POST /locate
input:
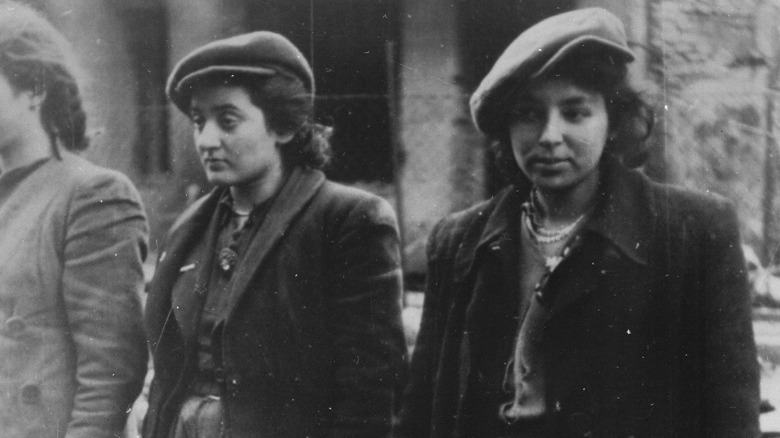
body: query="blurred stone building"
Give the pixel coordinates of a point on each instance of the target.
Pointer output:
(717, 64)
(394, 77)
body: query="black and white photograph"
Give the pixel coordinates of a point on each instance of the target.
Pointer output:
(389, 218)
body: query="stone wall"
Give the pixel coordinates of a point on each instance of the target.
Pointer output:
(715, 63)
(442, 170)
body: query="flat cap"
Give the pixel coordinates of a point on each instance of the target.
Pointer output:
(260, 53)
(541, 47)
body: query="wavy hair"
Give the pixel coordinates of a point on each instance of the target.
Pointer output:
(631, 118)
(288, 109)
(34, 56)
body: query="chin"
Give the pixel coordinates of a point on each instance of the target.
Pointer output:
(219, 180)
(553, 185)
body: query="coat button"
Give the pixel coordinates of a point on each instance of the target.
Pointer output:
(580, 424)
(31, 394)
(14, 325)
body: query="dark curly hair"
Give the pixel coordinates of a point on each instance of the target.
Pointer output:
(631, 118)
(34, 56)
(288, 109)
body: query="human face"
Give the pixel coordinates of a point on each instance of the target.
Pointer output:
(17, 119)
(558, 131)
(233, 141)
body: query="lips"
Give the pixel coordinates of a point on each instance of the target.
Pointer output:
(548, 161)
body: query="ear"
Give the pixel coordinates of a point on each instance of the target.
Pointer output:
(282, 139)
(33, 99)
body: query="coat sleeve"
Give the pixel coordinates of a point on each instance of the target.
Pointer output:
(417, 404)
(731, 386)
(365, 319)
(105, 244)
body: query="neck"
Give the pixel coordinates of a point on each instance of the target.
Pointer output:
(246, 196)
(24, 151)
(561, 207)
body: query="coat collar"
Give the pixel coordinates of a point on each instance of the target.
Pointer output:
(625, 212)
(181, 239)
(296, 193)
(623, 215)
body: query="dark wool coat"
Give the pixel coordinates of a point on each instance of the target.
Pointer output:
(312, 344)
(649, 334)
(72, 350)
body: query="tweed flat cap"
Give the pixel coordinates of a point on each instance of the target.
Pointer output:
(541, 47)
(261, 53)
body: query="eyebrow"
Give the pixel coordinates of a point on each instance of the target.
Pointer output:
(526, 100)
(576, 100)
(224, 106)
(221, 107)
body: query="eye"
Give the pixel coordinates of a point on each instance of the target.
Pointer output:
(197, 121)
(227, 121)
(576, 114)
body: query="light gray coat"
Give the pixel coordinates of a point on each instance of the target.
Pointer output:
(72, 352)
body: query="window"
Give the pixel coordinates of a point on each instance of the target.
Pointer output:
(346, 41)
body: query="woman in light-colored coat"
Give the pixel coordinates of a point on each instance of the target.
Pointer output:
(72, 240)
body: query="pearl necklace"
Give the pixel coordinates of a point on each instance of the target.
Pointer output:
(544, 235)
(538, 232)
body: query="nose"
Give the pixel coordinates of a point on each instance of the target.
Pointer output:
(207, 138)
(551, 132)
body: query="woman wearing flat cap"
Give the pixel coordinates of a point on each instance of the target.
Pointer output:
(583, 300)
(275, 306)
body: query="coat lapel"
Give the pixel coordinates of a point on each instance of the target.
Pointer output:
(299, 189)
(184, 236)
(622, 226)
(479, 260)
(498, 236)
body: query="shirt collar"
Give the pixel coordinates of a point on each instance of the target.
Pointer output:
(225, 201)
